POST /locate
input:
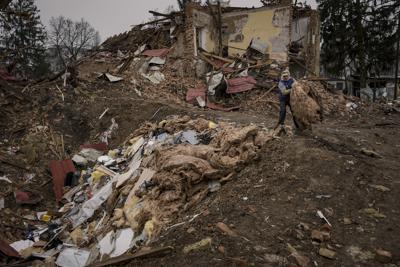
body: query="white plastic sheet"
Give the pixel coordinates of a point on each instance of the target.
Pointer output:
(73, 257)
(21, 245)
(89, 207)
(213, 80)
(123, 242)
(107, 244)
(156, 78)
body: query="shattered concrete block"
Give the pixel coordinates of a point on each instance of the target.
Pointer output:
(79, 160)
(347, 221)
(370, 153)
(301, 260)
(225, 228)
(156, 78)
(383, 256)
(327, 253)
(90, 154)
(359, 255)
(275, 260)
(374, 213)
(380, 188)
(320, 236)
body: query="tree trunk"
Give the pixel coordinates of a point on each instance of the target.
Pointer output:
(361, 46)
(396, 79)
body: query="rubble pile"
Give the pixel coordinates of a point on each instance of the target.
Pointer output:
(329, 103)
(130, 40)
(124, 198)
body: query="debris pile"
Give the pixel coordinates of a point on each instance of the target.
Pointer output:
(126, 197)
(187, 56)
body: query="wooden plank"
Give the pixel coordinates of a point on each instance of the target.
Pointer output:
(206, 59)
(14, 164)
(140, 254)
(220, 58)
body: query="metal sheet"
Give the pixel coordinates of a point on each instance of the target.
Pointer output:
(242, 84)
(259, 45)
(100, 146)
(7, 250)
(59, 171)
(156, 52)
(157, 61)
(192, 94)
(113, 78)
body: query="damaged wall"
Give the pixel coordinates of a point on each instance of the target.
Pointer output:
(204, 31)
(269, 25)
(305, 30)
(270, 30)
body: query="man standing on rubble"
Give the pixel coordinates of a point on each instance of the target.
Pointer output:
(285, 88)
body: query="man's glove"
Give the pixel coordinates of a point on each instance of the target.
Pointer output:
(287, 92)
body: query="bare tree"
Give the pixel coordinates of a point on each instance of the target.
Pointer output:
(71, 39)
(270, 2)
(183, 3)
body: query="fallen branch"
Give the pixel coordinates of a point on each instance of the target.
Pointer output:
(6, 161)
(155, 114)
(62, 94)
(158, 14)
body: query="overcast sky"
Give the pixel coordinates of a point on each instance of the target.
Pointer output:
(110, 17)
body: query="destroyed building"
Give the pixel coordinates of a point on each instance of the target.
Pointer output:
(282, 33)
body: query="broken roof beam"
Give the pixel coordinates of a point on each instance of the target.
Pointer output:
(151, 22)
(156, 252)
(158, 14)
(218, 57)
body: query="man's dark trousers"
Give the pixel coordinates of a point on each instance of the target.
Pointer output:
(283, 102)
